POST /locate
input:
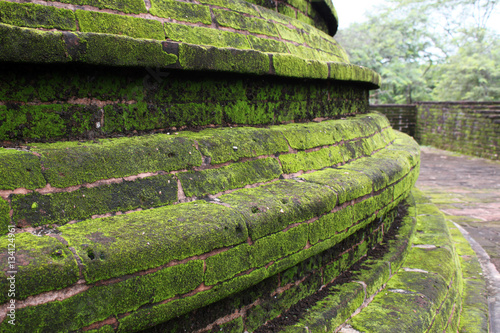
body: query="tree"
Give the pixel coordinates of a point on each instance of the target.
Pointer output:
(420, 47)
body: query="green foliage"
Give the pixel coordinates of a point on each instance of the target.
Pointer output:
(428, 50)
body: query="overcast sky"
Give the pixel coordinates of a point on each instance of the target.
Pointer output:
(354, 11)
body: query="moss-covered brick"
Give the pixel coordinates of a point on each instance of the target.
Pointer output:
(290, 34)
(474, 315)
(114, 246)
(332, 311)
(146, 317)
(330, 224)
(267, 45)
(227, 264)
(375, 274)
(30, 45)
(290, 65)
(311, 135)
(37, 16)
(314, 160)
(236, 5)
(272, 207)
(435, 260)
(181, 11)
(114, 50)
(74, 163)
(286, 10)
(5, 219)
(348, 185)
(408, 304)
(103, 329)
(205, 36)
(36, 209)
(126, 6)
(20, 169)
(231, 144)
(222, 59)
(89, 21)
(234, 326)
(212, 181)
(240, 22)
(374, 169)
(278, 245)
(42, 264)
(101, 302)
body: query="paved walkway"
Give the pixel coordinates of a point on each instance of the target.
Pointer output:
(467, 190)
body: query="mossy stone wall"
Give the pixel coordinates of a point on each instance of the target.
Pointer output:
(471, 128)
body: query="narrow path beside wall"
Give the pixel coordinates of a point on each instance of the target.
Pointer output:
(467, 190)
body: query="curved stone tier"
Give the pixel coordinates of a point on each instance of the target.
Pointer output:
(239, 205)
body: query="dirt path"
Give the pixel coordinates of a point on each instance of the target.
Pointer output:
(467, 190)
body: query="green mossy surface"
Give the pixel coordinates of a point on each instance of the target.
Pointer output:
(291, 65)
(315, 160)
(145, 318)
(225, 265)
(212, 181)
(126, 6)
(42, 264)
(231, 144)
(348, 185)
(20, 169)
(239, 22)
(273, 247)
(119, 25)
(373, 168)
(114, 246)
(205, 36)
(5, 219)
(36, 209)
(331, 311)
(222, 59)
(114, 50)
(234, 326)
(330, 224)
(272, 207)
(100, 302)
(73, 163)
(474, 315)
(30, 45)
(37, 16)
(236, 5)
(267, 45)
(181, 11)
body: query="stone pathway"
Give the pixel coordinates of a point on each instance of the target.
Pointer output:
(467, 190)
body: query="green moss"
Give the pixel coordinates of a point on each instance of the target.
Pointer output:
(374, 274)
(181, 11)
(315, 160)
(231, 144)
(278, 245)
(146, 317)
(200, 58)
(290, 65)
(271, 208)
(37, 209)
(126, 6)
(311, 135)
(234, 326)
(267, 45)
(205, 36)
(42, 264)
(73, 163)
(236, 5)
(119, 25)
(37, 16)
(101, 302)
(212, 181)
(114, 50)
(5, 219)
(348, 185)
(30, 45)
(437, 260)
(332, 311)
(330, 224)
(287, 11)
(20, 169)
(225, 265)
(114, 246)
(474, 315)
(239, 22)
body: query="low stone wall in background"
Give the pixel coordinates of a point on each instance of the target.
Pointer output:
(468, 127)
